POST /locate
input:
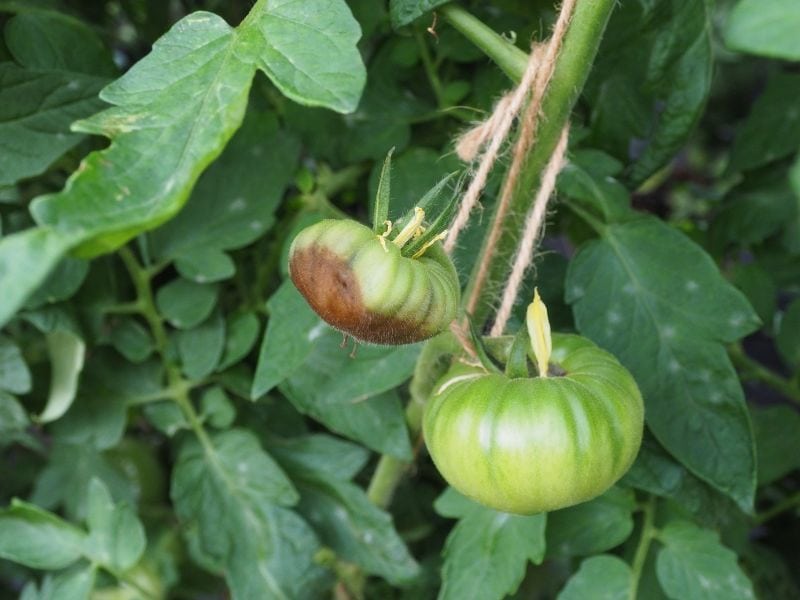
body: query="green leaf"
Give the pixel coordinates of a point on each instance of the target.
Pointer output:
(228, 491)
(13, 418)
(377, 422)
(186, 304)
(788, 338)
(757, 284)
(600, 577)
(292, 331)
(235, 199)
(650, 82)
(486, 554)
(403, 12)
(98, 416)
(591, 527)
(347, 394)
(75, 584)
(321, 452)
(216, 408)
(657, 301)
(131, 339)
(14, 374)
(751, 213)
(772, 129)
(655, 472)
(72, 45)
(383, 196)
(166, 416)
(67, 352)
(765, 27)
(340, 511)
(205, 265)
(693, 564)
(116, 536)
(62, 283)
(172, 114)
(242, 331)
(36, 110)
(280, 33)
(777, 442)
(64, 481)
(200, 349)
(36, 538)
(26, 258)
(589, 180)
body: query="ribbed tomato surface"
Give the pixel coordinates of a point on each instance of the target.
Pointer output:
(529, 445)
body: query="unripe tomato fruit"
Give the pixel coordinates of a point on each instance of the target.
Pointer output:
(365, 287)
(528, 445)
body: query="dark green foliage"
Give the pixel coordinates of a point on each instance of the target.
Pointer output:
(175, 421)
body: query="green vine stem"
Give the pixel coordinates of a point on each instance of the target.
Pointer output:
(753, 370)
(649, 532)
(572, 68)
(788, 503)
(508, 57)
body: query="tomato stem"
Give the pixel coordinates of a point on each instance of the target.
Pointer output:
(646, 537)
(574, 62)
(508, 57)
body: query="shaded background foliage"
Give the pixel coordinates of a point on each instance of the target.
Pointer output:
(175, 421)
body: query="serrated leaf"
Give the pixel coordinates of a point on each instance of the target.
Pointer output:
(403, 12)
(229, 491)
(36, 538)
(600, 577)
(765, 28)
(116, 536)
(15, 377)
(292, 331)
(486, 554)
(172, 114)
(591, 527)
(693, 564)
(341, 513)
(67, 352)
(772, 129)
(657, 301)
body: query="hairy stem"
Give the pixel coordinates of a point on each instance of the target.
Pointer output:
(645, 539)
(508, 57)
(572, 68)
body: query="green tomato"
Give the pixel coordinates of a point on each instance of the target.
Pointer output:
(528, 445)
(362, 284)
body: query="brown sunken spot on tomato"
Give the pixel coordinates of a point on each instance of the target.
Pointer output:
(329, 286)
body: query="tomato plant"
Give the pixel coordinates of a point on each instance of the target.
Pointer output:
(196, 202)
